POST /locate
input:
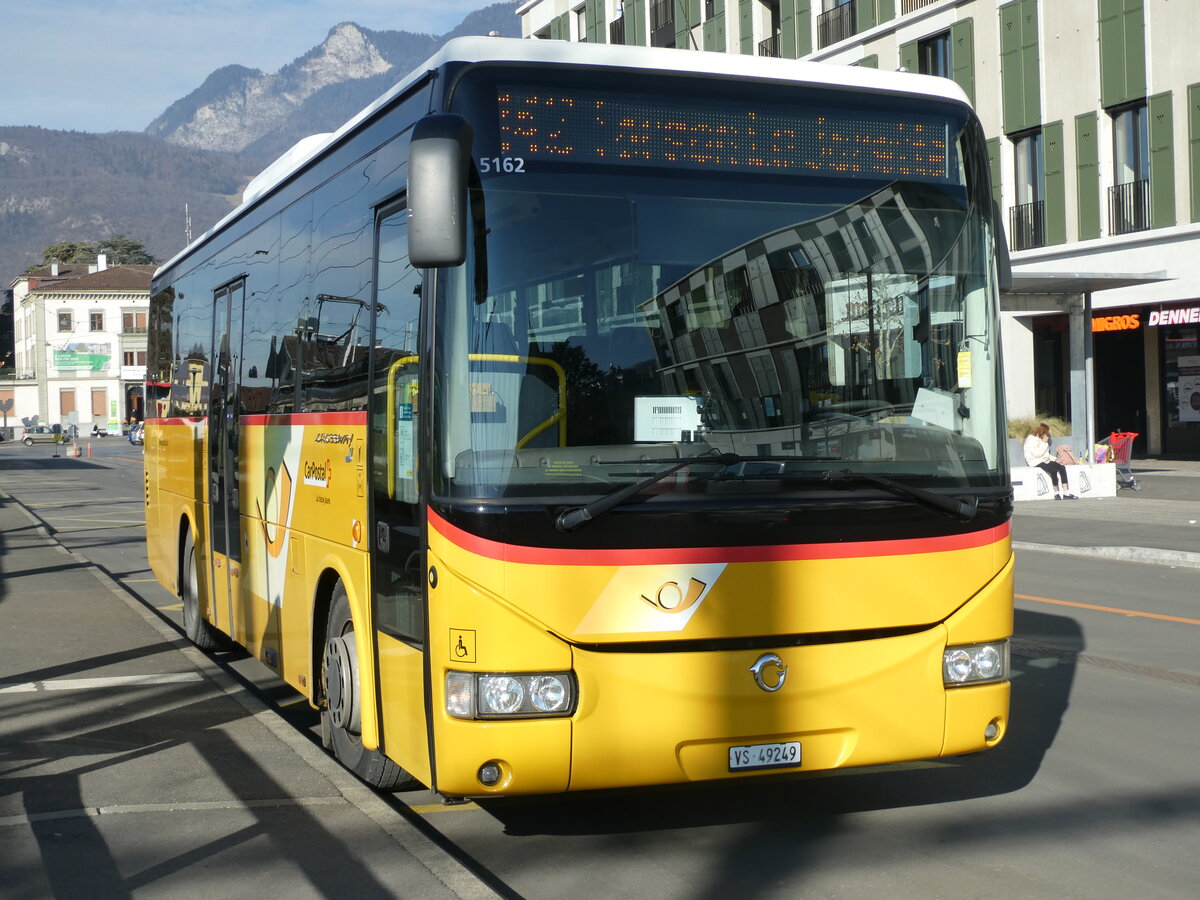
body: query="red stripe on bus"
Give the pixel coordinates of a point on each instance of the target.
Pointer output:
(677, 555)
(321, 418)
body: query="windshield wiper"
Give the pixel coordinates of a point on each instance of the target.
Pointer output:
(570, 519)
(954, 507)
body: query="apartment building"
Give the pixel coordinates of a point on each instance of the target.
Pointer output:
(80, 345)
(1092, 110)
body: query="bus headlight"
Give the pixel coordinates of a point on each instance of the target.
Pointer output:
(471, 695)
(975, 663)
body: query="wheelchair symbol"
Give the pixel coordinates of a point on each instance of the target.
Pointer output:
(462, 645)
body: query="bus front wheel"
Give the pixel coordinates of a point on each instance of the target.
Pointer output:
(341, 713)
(198, 631)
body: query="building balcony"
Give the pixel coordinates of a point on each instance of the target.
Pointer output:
(835, 25)
(907, 6)
(616, 31)
(662, 23)
(1129, 207)
(1026, 226)
(769, 46)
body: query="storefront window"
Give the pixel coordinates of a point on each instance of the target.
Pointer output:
(1180, 349)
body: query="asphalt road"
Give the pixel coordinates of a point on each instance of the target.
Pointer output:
(1094, 793)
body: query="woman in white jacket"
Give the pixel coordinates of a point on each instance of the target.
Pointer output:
(1037, 453)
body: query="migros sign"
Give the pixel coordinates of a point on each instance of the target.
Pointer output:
(1116, 323)
(1188, 315)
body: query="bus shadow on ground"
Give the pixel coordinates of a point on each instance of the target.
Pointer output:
(1044, 656)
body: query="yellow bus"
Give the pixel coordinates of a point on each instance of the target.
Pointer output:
(582, 416)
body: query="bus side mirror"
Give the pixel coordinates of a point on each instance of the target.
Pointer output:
(439, 160)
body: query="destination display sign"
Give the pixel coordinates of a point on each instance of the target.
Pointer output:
(666, 131)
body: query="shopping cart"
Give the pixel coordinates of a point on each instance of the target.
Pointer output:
(1121, 443)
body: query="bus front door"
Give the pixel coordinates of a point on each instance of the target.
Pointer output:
(398, 583)
(224, 521)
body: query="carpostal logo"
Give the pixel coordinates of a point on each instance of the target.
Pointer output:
(318, 474)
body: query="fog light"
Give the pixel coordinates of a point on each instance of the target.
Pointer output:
(975, 663)
(490, 774)
(992, 731)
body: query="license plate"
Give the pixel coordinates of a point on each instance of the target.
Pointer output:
(764, 756)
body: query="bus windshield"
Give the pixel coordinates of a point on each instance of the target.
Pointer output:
(779, 283)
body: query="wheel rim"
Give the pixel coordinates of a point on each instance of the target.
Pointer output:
(191, 609)
(341, 682)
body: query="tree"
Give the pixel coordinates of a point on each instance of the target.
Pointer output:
(118, 249)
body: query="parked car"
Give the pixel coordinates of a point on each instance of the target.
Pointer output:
(42, 434)
(136, 435)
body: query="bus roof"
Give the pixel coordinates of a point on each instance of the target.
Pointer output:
(571, 53)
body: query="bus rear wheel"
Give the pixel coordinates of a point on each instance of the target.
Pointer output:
(341, 714)
(198, 631)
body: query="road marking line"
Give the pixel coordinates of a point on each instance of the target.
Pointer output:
(63, 529)
(426, 808)
(91, 684)
(200, 806)
(1110, 609)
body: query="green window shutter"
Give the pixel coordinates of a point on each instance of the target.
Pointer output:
(1135, 49)
(687, 15)
(869, 62)
(962, 56)
(787, 29)
(1162, 162)
(864, 15)
(1012, 93)
(714, 33)
(886, 10)
(1194, 147)
(560, 28)
(804, 28)
(635, 23)
(1122, 51)
(1087, 176)
(597, 28)
(746, 26)
(1055, 201)
(1112, 53)
(1031, 63)
(908, 57)
(993, 153)
(1019, 66)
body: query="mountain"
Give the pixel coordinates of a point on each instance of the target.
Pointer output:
(70, 185)
(203, 149)
(240, 110)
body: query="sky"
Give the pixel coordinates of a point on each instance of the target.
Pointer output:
(87, 65)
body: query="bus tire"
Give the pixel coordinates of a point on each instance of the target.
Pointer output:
(341, 712)
(197, 630)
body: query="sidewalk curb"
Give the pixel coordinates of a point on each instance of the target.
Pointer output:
(1147, 555)
(457, 878)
